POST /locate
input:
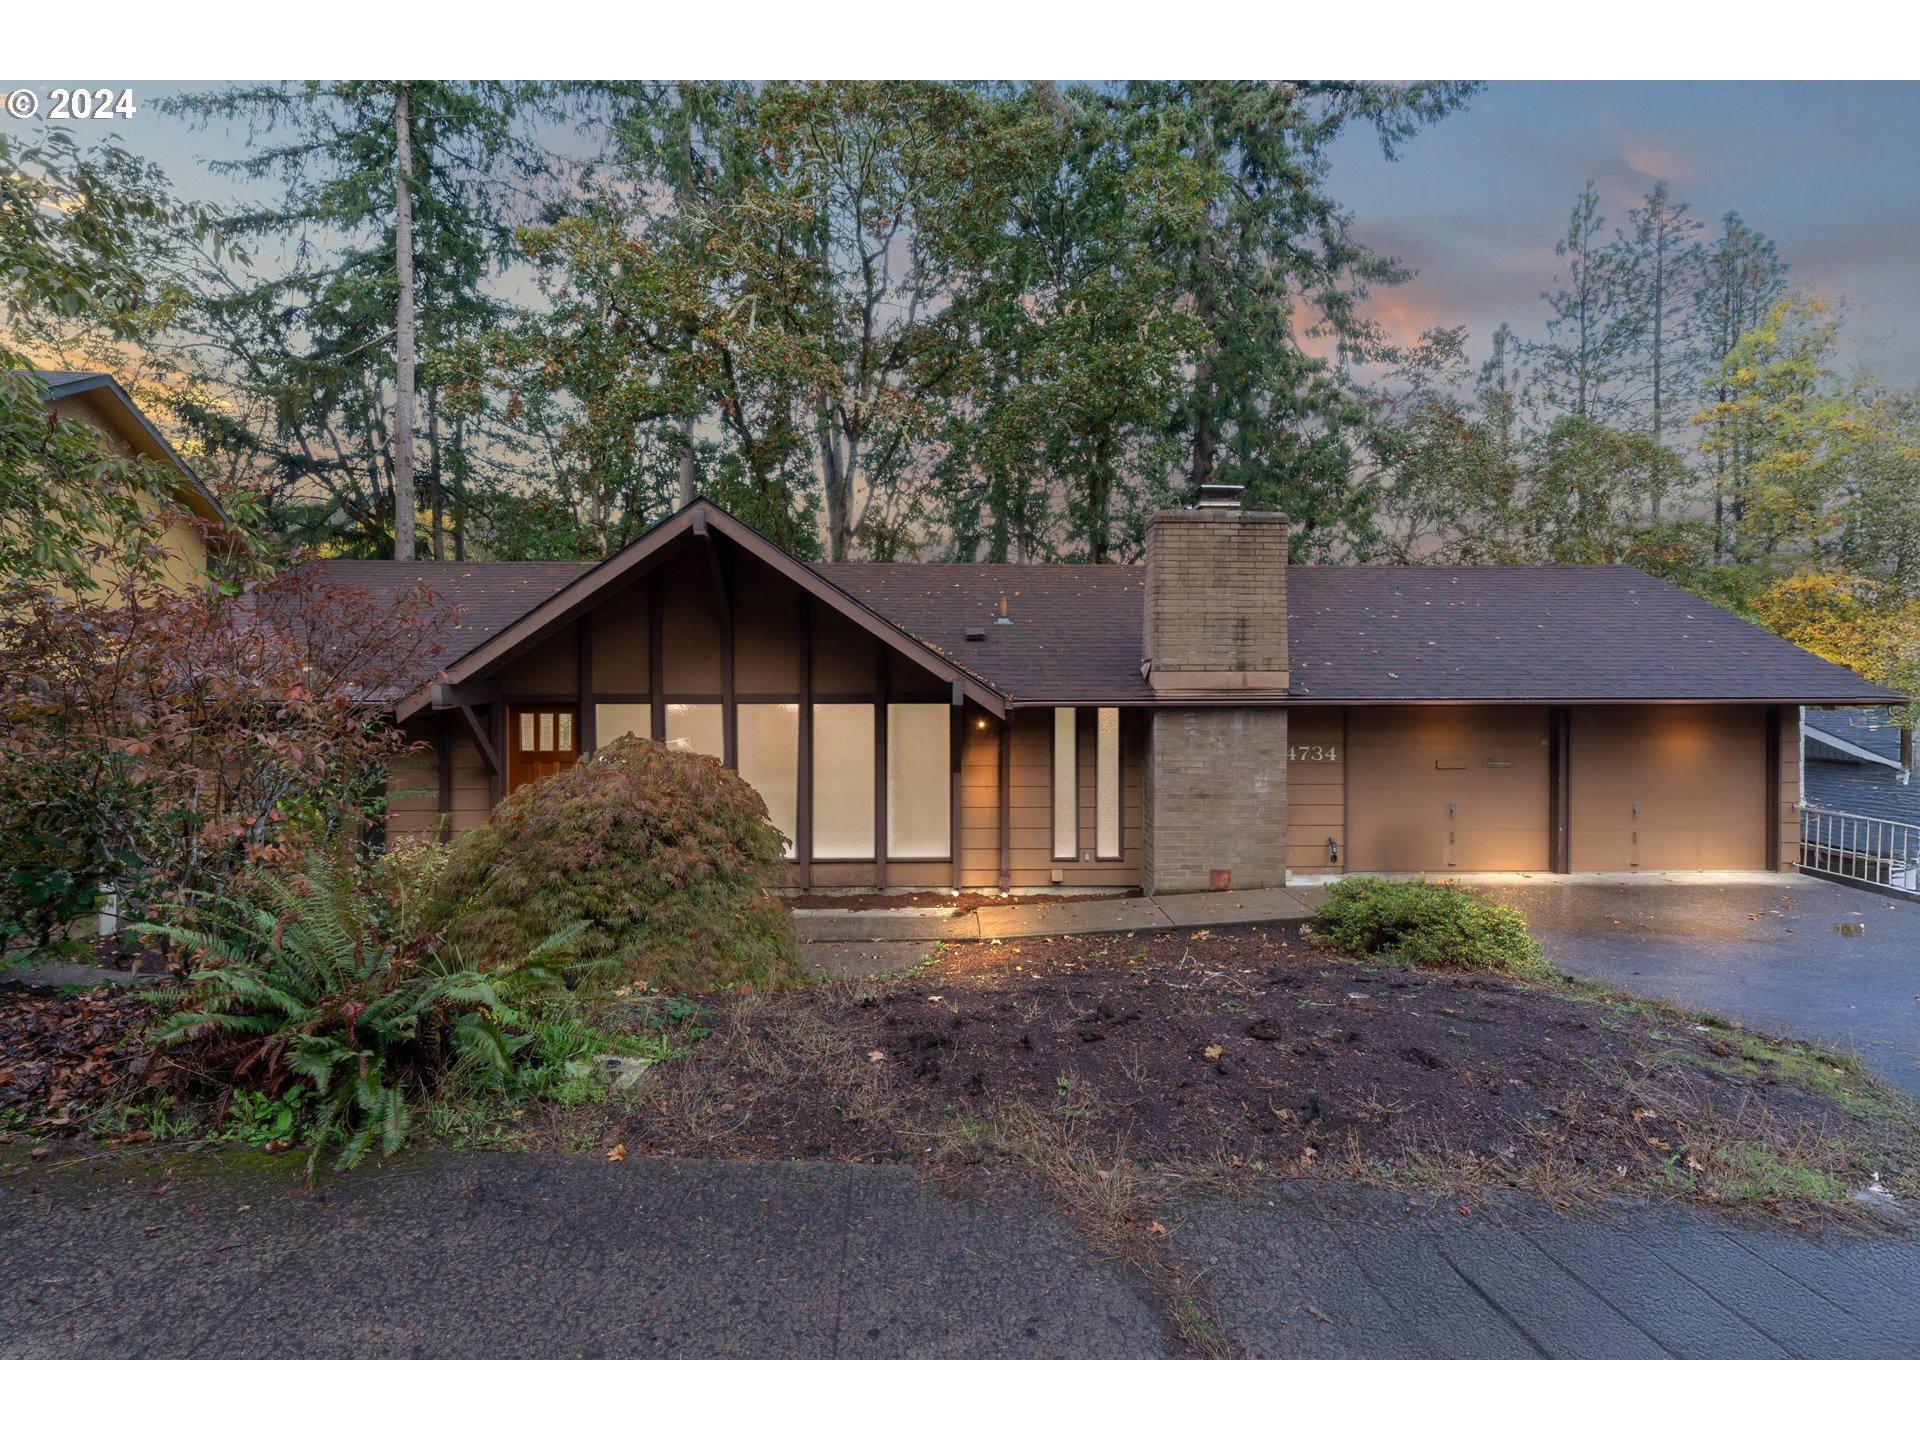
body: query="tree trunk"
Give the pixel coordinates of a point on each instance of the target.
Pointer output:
(687, 472)
(459, 489)
(435, 490)
(403, 496)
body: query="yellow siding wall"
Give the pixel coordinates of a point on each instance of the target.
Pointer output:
(186, 551)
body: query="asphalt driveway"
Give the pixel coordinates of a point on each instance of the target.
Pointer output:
(1794, 956)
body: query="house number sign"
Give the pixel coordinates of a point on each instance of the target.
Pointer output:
(1307, 754)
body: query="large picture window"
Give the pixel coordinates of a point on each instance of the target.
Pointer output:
(696, 729)
(769, 740)
(919, 782)
(1066, 784)
(611, 721)
(843, 782)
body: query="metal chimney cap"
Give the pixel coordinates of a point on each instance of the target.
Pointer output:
(1219, 497)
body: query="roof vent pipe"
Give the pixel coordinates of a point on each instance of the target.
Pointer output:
(1003, 620)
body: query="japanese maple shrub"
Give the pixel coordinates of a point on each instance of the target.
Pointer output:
(668, 858)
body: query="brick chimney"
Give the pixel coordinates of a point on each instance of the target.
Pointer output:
(1216, 601)
(1216, 641)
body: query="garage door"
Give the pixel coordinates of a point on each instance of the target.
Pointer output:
(1447, 787)
(1668, 787)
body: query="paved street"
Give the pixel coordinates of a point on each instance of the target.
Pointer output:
(1793, 955)
(499, 1255)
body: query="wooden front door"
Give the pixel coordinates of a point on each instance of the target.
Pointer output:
(542, 740)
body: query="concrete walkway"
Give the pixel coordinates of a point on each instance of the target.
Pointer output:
(494, 1255)
(1060, 917)
(858, 943)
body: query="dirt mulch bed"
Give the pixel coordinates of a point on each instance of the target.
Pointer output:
(1238, 1049)
(62, 1054)
(962, 904)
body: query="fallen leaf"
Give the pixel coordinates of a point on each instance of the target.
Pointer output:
(936, 997)
(233, 1241)
(876, 1056)
(1156, 1229)
(616, 1154)
(1464, 1209)
(1214, 1052)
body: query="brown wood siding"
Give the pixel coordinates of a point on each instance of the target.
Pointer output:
(413, 787)
(1316, 790)
(551, 668)
(766, 645)
(980, 801)
(1788, 794)
(1439, 788)
(691, 620)
(1031, 789)
(1697, 774)
(622, 658)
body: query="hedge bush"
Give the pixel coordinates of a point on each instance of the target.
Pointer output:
(1421, 922)
(667, 857)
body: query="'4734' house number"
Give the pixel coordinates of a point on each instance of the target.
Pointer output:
(1297, 754)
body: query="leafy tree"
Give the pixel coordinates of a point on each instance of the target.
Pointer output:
(156, 743)
(1788, 421)
(1069, 337)
(1658, 264)
(1592, 320)
(89, 236)
(1743, 277)
(1271, 263)
(312, 351)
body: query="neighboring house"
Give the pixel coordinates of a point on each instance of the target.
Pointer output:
(1863, 802)
(98, 400)
(1211, 717)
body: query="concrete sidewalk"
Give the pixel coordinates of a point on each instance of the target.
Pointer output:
(495, 1255)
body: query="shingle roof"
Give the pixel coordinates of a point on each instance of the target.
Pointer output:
(1357, 633)
(1073, 631)
(62, 383)
(1536, 632)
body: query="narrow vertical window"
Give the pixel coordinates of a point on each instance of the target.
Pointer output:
(1106, 791)
(843, 782)
(919, 782)
(1066, 785)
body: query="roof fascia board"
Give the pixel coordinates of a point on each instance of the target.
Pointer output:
(684, 526)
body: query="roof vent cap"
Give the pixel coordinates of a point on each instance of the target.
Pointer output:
(1218, 497)
(976, 632)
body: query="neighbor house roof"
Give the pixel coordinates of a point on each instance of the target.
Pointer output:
(131, 421)
(1853, 765)
(1359, 634)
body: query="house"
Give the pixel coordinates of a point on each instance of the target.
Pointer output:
(97, 399)
(1212, 717)
(1862, 803)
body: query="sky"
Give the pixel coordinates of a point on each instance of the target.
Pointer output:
(1475, 203)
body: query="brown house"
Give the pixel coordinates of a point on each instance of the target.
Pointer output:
(1212, 717)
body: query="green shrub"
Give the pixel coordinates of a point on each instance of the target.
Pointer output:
(1420, 922)
(300, 991)
(667, 859)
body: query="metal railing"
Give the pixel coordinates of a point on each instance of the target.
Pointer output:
(1880, 855)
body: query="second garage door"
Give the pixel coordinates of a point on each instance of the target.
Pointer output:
(1447, 787)
(1668, 787)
